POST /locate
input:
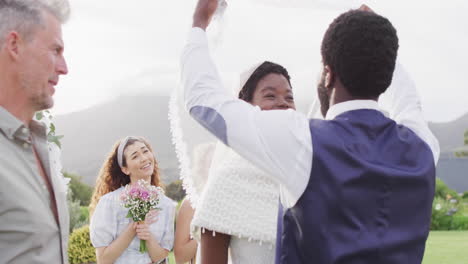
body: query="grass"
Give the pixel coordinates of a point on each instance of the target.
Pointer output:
(447, 247)
(442, 247)
(464, 207)
(171, 258)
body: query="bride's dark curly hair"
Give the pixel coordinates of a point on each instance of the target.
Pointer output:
(111, 177)
(267, 67)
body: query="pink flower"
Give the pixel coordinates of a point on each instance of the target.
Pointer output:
(135, 192)
(145, 195)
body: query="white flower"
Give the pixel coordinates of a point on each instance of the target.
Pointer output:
(438, 207)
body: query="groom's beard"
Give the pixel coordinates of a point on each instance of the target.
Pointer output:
(323, 96)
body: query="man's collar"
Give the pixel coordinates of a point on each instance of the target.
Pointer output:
(13, 127)
(9, 124)
(338, 109)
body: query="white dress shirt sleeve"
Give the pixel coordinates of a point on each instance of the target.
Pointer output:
(406, 110)
(277, 141)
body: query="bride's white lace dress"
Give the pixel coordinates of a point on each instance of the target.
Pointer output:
(240, 200)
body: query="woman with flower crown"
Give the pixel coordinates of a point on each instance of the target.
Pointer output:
(116, 237)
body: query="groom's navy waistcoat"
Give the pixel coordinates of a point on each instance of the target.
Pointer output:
(369, 196)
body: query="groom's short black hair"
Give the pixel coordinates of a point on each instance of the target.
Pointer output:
(361, 48)
(267, 67)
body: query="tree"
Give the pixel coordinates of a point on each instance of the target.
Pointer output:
(463, 152)
(80, 191)
(465, 195)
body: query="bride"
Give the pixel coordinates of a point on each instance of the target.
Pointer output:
(236, 214)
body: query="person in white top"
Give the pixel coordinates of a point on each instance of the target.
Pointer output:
(280, 142)
(238, 207)
(116, 237)
(185, 247)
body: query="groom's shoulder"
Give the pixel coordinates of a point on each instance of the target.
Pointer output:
(318, 123)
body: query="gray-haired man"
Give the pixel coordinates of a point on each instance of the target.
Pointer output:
(33, 212)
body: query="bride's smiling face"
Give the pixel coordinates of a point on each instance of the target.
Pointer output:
(139, 161)
(273, 92)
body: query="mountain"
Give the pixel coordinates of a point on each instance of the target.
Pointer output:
(450, 134)
(90, 135)
(452, 170)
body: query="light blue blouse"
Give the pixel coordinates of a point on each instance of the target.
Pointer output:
(109, 221)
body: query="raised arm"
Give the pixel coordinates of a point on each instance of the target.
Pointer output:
(277, 141)
(405, 108)
(405, 105)
(204, 13)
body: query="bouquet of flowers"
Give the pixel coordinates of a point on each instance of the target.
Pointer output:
(140, 198)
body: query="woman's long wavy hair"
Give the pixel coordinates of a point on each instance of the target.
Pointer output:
(111, 177)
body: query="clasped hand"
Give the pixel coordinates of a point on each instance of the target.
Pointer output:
(142, 229)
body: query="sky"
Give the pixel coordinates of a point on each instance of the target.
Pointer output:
(117, 47)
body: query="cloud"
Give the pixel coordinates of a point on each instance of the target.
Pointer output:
(111, 43)
(317, 4)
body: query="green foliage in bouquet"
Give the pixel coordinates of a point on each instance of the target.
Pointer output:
(140, 198)
(80, 249)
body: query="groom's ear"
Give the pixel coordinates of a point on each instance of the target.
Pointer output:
(329, 77)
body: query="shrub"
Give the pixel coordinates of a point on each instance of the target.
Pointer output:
(444, 192)
(465, 195)
(80, 249)
(79, 215)
(448, 215)
(440, 219)
(84, 214)
(175, 190)
(459, 222)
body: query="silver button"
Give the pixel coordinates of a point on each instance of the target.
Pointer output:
(44, 187)
(24, 130)
(25, 145)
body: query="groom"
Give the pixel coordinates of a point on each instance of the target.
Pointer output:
(356, 187)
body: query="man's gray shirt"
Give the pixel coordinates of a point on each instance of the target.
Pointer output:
(29, 232)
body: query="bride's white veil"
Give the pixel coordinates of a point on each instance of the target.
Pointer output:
(193, 144)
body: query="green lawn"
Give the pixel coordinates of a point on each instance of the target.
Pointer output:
(171, 258)
(447, 247)
(443, 247)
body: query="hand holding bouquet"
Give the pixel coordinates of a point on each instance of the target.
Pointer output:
(140, 198)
